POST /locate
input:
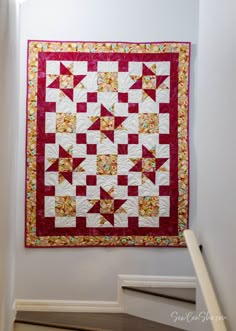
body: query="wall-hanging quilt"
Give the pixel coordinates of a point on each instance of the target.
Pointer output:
(107, 144)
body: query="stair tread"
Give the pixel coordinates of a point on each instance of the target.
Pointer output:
(32, 327)
(92, 321)
(185, 294)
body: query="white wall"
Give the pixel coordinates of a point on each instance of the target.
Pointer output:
(91, 273)
(215, 138)
(8, 135)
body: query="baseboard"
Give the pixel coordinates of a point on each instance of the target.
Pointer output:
(154, 309)
(69, 306)
(157, 281)
(105, 306)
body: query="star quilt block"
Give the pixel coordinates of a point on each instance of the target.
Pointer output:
(107, 158)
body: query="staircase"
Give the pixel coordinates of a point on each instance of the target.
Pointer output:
(160, 304)
(145, 303)
(145, 309)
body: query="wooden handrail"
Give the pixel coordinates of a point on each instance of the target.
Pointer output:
(212, 305)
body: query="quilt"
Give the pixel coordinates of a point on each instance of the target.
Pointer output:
(107, 144)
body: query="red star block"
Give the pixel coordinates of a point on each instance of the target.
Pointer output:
(105, 196)
(104, 114)
(68, 91)
(66, 173)
(148, 75)
(149, 172)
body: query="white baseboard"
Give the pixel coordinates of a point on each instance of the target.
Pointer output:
(157, 281)
(105, 306)
(153, 281)
(68, 306)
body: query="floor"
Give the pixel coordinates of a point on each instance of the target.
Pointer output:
(88, 321)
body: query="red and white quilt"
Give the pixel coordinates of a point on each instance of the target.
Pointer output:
(107, 144)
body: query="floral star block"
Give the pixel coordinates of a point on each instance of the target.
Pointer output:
(148, 164)
(107, 206)
(107, 123)
(65, 165)
(148, 82)
(66, 82)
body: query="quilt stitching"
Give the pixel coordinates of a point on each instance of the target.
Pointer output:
(107, 144)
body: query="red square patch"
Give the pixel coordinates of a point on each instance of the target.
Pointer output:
(133, 108)
(91, 180)
(133, 191)
(133, 138)
(123, 97)
(81, 138)
(122, 149)
(92, 149)
(122, 180)
(92, 97)
(81, 191)
(123, 66)
(81, 107)
(92, 66)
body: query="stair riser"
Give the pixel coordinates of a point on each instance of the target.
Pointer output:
(157, 309)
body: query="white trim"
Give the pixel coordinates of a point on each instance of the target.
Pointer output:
(106, 306)
(157, 281)
(153, 281)
(158, 309)
(68, 306)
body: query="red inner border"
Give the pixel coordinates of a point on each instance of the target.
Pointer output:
(168, 225)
